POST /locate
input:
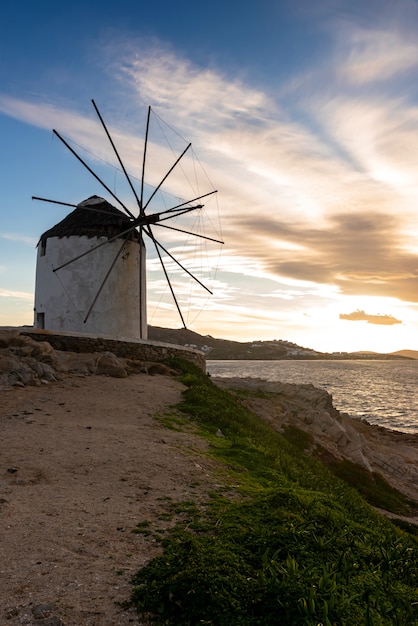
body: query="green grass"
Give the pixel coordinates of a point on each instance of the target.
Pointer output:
(373, 487)
(298, 437)
(295, 545)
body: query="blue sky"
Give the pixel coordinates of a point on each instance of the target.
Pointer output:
(303, 116)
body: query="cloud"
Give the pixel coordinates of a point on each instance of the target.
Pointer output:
(21, 295)
(377, 55)
(32, 241)
(360, 254)
(361, 316)
(42, 114)
(164, 78)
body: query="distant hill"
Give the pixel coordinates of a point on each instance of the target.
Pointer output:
(226, 349)
(409, 354)
(277, 349)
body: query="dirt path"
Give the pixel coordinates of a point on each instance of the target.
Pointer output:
(82, 462)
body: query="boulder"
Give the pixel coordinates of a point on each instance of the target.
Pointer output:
(6, 336)
(110, 365)
(80, 363)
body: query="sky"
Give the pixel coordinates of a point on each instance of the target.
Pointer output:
(303, 116)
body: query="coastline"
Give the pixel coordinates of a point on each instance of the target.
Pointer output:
(392, 454)
(86, 460)
(379, 392)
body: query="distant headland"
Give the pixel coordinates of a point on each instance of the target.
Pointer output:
(224, 349)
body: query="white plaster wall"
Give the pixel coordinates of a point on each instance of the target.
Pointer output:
(65, 296)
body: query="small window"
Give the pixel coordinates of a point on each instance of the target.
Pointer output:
(43, 247)
(40, 320)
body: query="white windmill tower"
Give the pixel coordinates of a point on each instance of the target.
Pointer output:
(69, 299)
(90, 274)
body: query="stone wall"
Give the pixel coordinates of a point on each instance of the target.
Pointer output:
(155, 352)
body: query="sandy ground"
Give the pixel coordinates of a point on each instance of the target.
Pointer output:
(82, 462)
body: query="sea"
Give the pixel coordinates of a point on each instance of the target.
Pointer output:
(381, 392)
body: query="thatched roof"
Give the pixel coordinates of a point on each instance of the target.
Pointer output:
(93, 217)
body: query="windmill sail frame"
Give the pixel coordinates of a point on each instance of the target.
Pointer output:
(91, 309)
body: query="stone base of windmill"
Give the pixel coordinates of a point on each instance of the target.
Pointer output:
(143, 350)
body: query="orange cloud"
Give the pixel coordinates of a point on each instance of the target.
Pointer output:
(361, 316)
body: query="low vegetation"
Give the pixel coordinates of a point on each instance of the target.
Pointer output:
(371, 485)
(283, 542)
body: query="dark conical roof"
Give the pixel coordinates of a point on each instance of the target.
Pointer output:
(93, 217)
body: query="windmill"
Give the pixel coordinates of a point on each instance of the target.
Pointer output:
(91, 274)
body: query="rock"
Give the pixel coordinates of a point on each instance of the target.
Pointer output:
(41, 369)
(26, 362)
(160, 368)
(23, 370)
(44, 352)
(76, 363)
(49, 621)
(110, 365)
(135, 366)
(43, 610)
(6, 336)
(9, 363)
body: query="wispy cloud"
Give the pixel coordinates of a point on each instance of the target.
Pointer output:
(377, 55)
(41, 114)
(163, 78)
(20, 295)
(31, 241)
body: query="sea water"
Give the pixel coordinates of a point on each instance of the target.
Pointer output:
(381, 392)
